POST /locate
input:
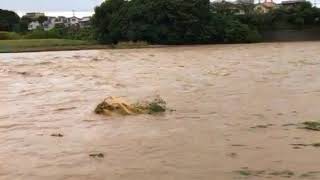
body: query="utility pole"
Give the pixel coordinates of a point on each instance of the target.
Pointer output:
(73, 13)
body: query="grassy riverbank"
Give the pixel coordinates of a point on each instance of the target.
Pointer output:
(32, 45)
(38, 45)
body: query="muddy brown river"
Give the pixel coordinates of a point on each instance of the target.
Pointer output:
(236, 110)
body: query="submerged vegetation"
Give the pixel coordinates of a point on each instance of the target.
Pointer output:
(312, 125)
(96, 155)
(265, 173)
(116, 105)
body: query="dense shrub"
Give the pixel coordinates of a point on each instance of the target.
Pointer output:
(79, 34)
(41, 34)
(9, 35)
(236, 32)
(62, 33)
(253, 36)
(154, 21)
(130, 44)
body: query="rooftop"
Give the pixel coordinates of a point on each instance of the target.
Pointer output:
(293, 1)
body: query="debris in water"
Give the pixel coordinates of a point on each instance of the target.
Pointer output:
(57, 135)
(96, 59)
(300, 144)
(311, 175)
(247, 172)
(262, 126)
(289, 124)
(116, 105)
(311, 125)
(317, 145)
(296, 147)
(238, 145)
(156, 106)
(23, 73)
(265, 173)
(285, 173)
(97, 155)
(233, 155)
(65, 109)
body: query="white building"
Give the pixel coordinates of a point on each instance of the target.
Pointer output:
(33, 25)
(61, 21)
(85, 22)
(34, 15)
(49, 24)
(73, 21)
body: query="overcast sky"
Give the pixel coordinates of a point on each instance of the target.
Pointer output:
(49, 5)
(53, 5)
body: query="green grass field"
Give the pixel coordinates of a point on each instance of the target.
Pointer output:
(32, 45)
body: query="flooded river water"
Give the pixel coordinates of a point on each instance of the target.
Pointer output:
(234, 107)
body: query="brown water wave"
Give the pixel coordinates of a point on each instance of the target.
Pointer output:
(218, 92)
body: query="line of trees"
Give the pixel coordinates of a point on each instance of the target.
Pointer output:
(194, 21)
(298, 16)
(174, 22)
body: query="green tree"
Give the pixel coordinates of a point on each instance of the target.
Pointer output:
(103, 17)
(9, 20)
(165, 21)
(24, 22)
(42, 19)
